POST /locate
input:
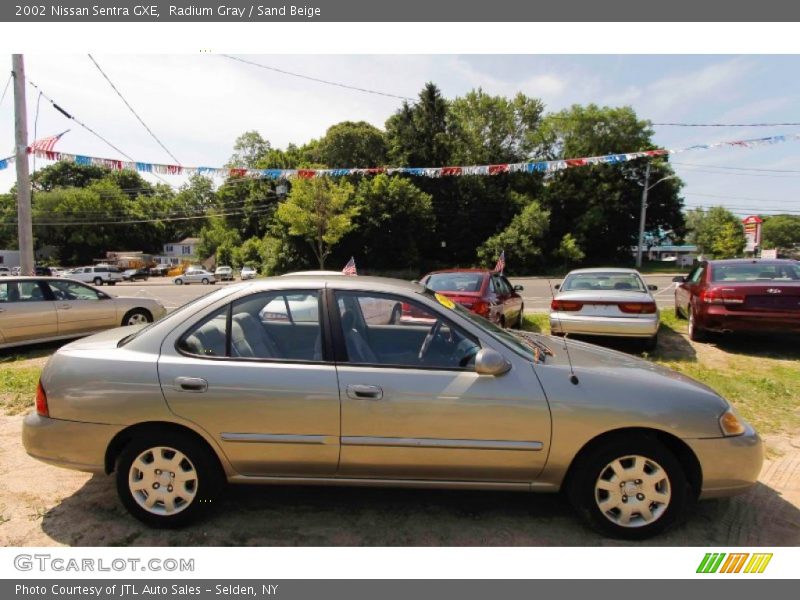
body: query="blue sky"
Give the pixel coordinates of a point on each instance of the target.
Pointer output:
(198, 104)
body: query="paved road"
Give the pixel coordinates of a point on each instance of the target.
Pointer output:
(537, 292)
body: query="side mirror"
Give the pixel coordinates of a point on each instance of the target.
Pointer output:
(519, 288)
(557, 286)
(491, 362)
(652, 287)
(679, 279)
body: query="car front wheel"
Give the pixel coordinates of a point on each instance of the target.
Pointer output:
(137, 316)
(97, 281)
(633, 488)
(179, 282)
(168, 480)
(205, 281)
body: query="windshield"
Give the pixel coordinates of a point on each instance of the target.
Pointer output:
(598, 281)
(516, 343)
(455, 282)
(755, 272)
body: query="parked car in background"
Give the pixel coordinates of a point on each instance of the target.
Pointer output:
(5, 272)
(97, 275)
(136, 274)
(195, 276)
(606, 302)
(248, 273)
(42, 309)
(43, 271)
(213, 393)
(224, 273)
(159, 270)
(486, 293)
(726, 296)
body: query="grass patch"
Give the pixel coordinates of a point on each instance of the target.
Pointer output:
(536, 322)
(18, 389)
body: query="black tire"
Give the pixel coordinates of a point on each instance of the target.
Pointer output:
(208, 478)
(594, 464)
(205, 281)
(179, 281)
(678, 312)
(518, 323)
(98, 281)
(145, 314)
(651, 343)
(696, 333)
(112, 283)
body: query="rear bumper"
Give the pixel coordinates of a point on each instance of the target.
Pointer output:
(730, 465)
(68, 444)
(606, 326)
(719, 318)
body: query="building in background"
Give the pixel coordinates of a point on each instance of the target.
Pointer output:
(176, 253)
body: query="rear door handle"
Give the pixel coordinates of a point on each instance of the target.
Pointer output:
(364, 392)
(191, 384)
(65, 306)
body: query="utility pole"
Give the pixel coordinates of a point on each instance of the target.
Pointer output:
(642, 216)
(24, 223)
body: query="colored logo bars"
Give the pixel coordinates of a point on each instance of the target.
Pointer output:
(735, 562)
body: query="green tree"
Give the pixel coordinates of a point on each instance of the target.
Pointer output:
(215, 234)
(487, 129)
(569, 251)
(224, 254)
(521, 240)
(717, 232)
(352, 145)
(249, 253)
(417, 135)
(66, 174)
(320, 211)
(780, 231)
(248, 149)
(394, 221)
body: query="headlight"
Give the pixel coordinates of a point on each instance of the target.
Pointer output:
(730, 423)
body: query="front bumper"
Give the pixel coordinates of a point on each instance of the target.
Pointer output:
(69, 444)
(562, 322)
(730, 465)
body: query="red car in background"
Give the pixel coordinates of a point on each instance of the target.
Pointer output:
(740, 295)
(484, 292)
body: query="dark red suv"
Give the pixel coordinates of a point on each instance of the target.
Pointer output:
(740, 295)
(484, 292)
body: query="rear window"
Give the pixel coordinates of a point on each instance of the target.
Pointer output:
(455, 282)
(755, 272)
(625, 282)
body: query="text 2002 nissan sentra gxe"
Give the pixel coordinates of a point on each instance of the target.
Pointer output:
(236, 387)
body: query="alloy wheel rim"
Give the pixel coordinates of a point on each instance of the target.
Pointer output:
(633, 491)
(137, 319)
(163, 481)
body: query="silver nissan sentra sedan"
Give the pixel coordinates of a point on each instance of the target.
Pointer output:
(222, 390)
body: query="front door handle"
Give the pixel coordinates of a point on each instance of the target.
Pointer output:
(65, 306)
(191, 384)
(364, 392)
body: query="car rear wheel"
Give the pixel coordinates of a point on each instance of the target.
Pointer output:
(205, 281)
(651, 343)
(137, 316)
(632, 488)
(98, 281)
(696, 333)
(179, 282)
(167, 480)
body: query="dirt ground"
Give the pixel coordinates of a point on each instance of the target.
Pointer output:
(47, 506)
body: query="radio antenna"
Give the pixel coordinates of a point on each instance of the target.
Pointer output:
(573, 378)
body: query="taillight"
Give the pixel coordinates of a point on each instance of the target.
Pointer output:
(41, 401)
(638, 308)
(565, 305)
(718, 297)
(480, 308)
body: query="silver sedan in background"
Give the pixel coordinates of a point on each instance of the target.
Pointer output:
(195, 276)
(43, 309)
(606, 302)
(219, 392)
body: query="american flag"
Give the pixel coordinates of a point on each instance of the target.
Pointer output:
(501, 263)
(350, 267)
(46, 144)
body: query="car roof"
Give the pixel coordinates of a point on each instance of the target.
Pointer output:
(481, 271)
(376, 284)
(753, 261)
(33, 278)
(619, 270)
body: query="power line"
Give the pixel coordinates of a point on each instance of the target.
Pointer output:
(736, 168)
(734, 197)
(309, 78)
(716, 172)
(726, 124)
(138, 118)
(5, 89)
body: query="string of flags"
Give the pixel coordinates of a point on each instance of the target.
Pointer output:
(43, 149)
